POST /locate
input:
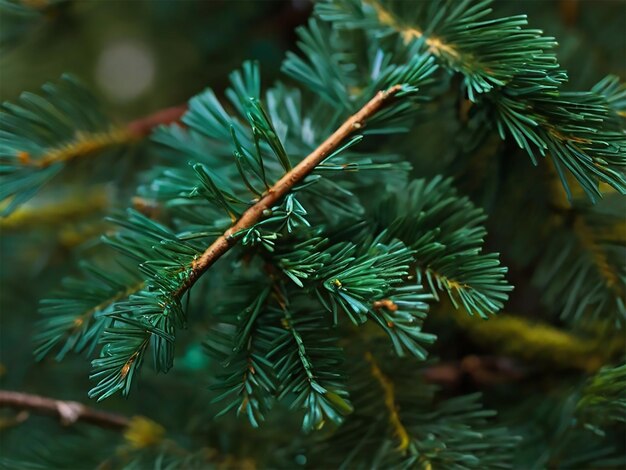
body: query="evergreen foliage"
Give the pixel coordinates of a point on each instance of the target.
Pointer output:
(41, 133)
(304, 322)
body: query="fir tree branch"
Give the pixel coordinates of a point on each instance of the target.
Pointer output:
(81, 319)
(450, 433)
(256, 212)
(307, 367)
(69, 412)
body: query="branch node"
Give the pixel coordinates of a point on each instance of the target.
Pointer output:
(69, 411)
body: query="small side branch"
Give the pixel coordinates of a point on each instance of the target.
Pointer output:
(69, 412)
(142, 127)
(255, 213)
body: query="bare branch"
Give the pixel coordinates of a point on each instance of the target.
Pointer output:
(69, 412)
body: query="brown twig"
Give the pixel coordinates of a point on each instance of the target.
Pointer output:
(68, 411)
(142, 127)
(256, 212)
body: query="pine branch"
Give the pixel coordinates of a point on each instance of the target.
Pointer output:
(436, 45)
(256, 212)
(83, 144)
(69, 412)
(354, 278)
(401, 316)
(614, 91)
(327, 70)
(122, 358)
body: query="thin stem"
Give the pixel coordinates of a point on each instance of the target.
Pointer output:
(142, 127)
(256, 212)
(68, 411)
